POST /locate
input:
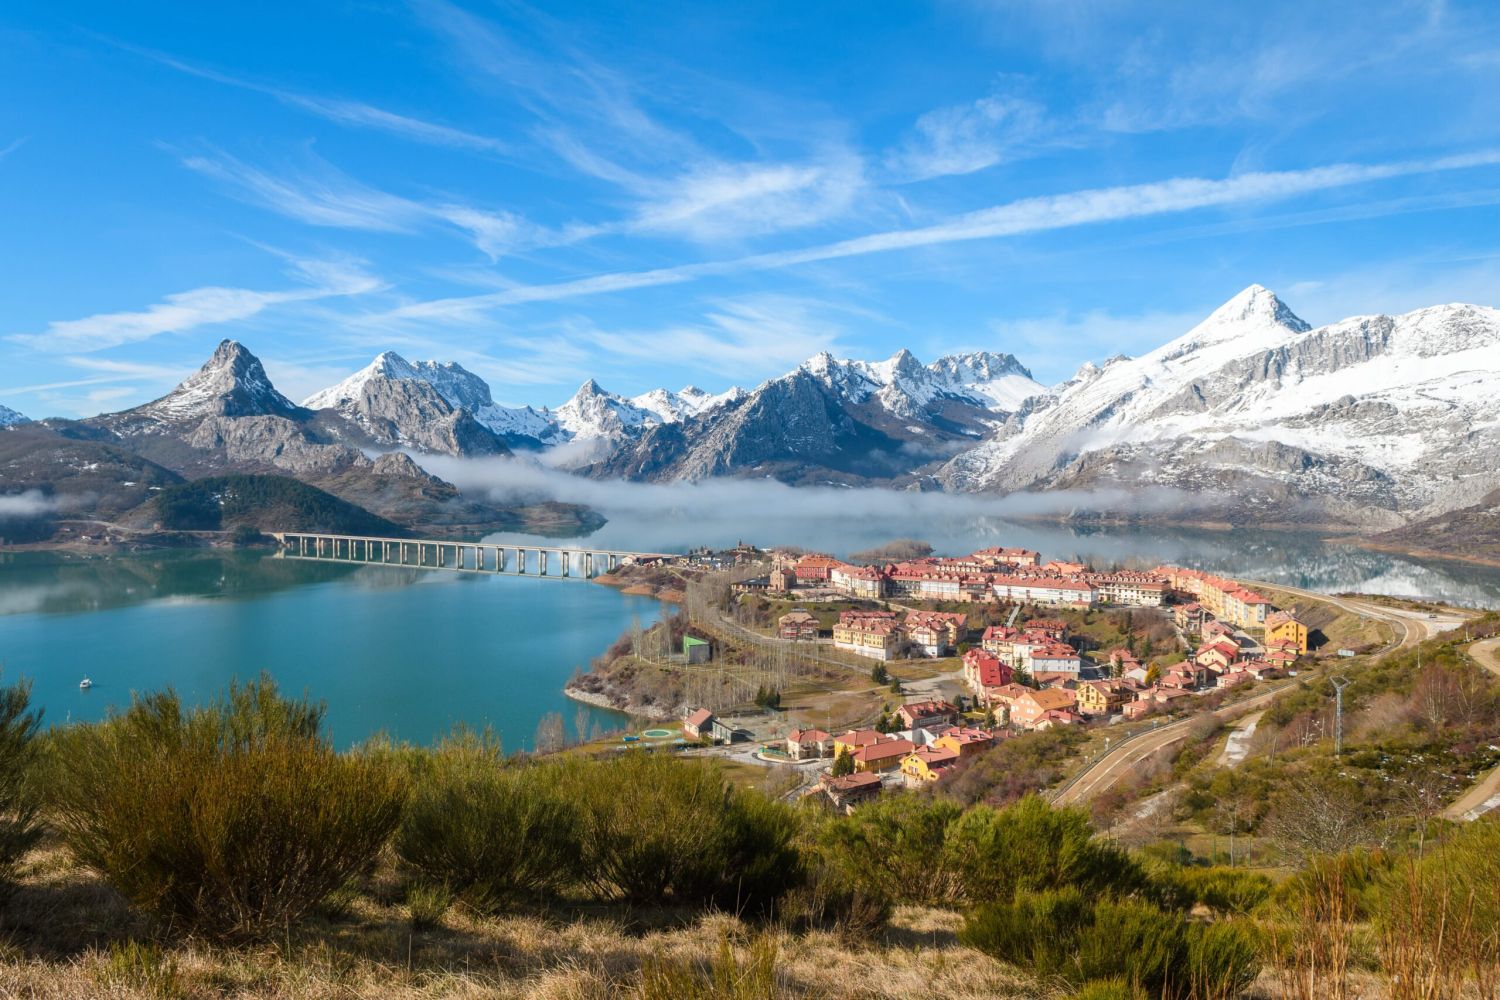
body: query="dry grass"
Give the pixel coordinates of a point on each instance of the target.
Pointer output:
(66, 935)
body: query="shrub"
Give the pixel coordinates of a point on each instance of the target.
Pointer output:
(427, 904)
(1108, 989)
(18, 805)
(1225, 891)
(656, 828)
(233, 820)
(488, 831)
(1062, 934)
(892, 849)
(1030, 846)
(726, 978)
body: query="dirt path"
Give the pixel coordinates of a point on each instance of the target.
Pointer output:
(1484, 795)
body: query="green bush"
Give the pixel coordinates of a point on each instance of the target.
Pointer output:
(1030, 846)
(1108, 989)
(427, 904)
(893, 849)
(233, 821)
(18, 804)
(1225, 891)
(654, 828)
(1063, 934)
(489, 831)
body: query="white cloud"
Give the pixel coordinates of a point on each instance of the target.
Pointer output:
(742, 339)
(965, 138)
(28, 504)
(325, 196)
(718, 200)
(181, 311)
(12, 146)
(1028, 215)
(342, 111)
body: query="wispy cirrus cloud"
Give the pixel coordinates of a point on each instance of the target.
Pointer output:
(343, 111)
(322, 195)
(1028, 215)
(964, 138)
(595, 119)
(12, 146)
(182, 311)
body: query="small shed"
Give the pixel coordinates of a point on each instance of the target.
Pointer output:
(696, 650)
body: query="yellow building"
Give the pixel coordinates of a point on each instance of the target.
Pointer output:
(927, 764)
(1285, 626)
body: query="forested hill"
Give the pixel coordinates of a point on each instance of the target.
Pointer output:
(269, 503)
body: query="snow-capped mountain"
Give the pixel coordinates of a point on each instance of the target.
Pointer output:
(232, 383)
(425, 405)
(10, 418)
(1369, 419)
(839, 420)
(689, 401)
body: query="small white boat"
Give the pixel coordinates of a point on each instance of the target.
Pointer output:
(85, 684)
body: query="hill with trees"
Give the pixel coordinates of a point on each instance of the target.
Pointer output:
(262, 502)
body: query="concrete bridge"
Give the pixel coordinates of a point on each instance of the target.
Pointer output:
(544, 561)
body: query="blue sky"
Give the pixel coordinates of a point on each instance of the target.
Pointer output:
(670, 193)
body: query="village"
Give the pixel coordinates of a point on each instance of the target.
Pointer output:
(1032, 671)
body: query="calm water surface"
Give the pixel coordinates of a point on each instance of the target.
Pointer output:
(407, 653)
(413, 653)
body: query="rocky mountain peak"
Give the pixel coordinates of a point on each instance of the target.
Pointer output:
(232, 383)
(10, 418)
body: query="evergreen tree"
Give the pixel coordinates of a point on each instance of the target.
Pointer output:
(879, 674)
(843, 764)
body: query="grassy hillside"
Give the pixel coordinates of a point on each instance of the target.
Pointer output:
(269, 503)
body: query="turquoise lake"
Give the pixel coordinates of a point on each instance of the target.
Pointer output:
(413, 653)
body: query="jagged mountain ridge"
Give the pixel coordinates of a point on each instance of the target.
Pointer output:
(10, 418)
(1373, 419)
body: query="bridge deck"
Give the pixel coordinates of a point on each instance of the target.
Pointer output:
(490, 558)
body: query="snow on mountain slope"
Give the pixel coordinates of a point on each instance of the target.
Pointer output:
(904, 386)
(1391, 412)
(232, 383)
(10, 418)
(670, 407)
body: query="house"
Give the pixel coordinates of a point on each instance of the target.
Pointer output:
(1281, 654)
(1217, 656)
(1031, 708)
(965, 741)
(926, 764)
(1170, 696)
(936, 632)
(985, 670)
(1058, 717)
(798, 625)
(722, 732)
(815, 568)
(926, 713)
(1102, 697)
(858, 581)
(868, 633)
(1053, 590)
(1056, 658)
(808, 744)
(883, 756)
(849, 790)
(1235, 678)
(699, 724)
(1180, 677)
(1190, 617)
(1052, 628)
(856, 739)
(1286, 627)
(1144, 705)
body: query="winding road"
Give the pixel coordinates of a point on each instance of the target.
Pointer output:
(1484, 795)
(1101, 775)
